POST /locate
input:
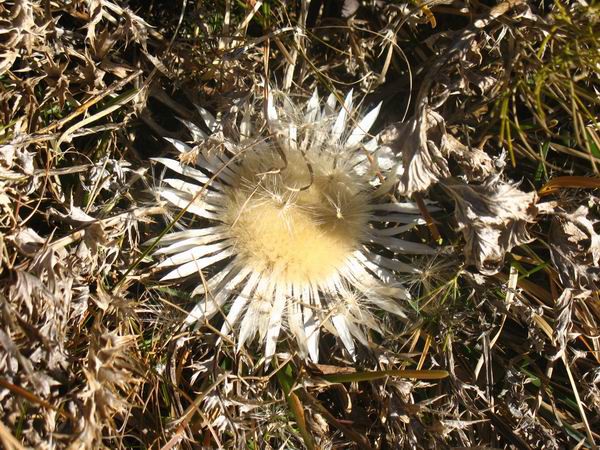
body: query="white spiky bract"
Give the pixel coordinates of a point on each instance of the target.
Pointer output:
(293, 228)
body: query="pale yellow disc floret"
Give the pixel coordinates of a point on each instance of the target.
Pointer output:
(300, 229)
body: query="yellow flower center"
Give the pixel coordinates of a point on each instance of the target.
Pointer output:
(297, 227)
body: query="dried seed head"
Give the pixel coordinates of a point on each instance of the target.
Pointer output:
(299, 223)
(296, 220)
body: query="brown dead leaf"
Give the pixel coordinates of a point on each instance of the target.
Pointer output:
(27, 241)
(493, 218)
(19, 29)
(475, 163)
(575, 182)
(575, 249)
(420, 143)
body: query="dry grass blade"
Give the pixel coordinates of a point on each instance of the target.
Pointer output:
(8, 440)
(382, 374)
(284, 376)
(24, 393)
(574, 182)
(89, 103)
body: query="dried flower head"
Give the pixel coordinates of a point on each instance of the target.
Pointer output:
(294, 227)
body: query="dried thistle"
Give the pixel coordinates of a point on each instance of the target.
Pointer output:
(289, 221)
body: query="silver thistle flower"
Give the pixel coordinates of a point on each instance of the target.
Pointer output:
(295, 221)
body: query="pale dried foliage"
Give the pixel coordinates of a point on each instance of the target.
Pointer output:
(420, 143)
(493, 218)
(575, 247)
(68, 359)
(482, 106)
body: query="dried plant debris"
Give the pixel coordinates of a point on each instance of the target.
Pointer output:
(493, 218)
(46, 303)
(487, 340)
(420, 144)
(475, 164)
(19, 31)
(575, 247)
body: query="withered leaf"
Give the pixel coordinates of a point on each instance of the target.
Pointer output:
(493, 217)
(575, 249)
(475, 163)
(419, 141)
